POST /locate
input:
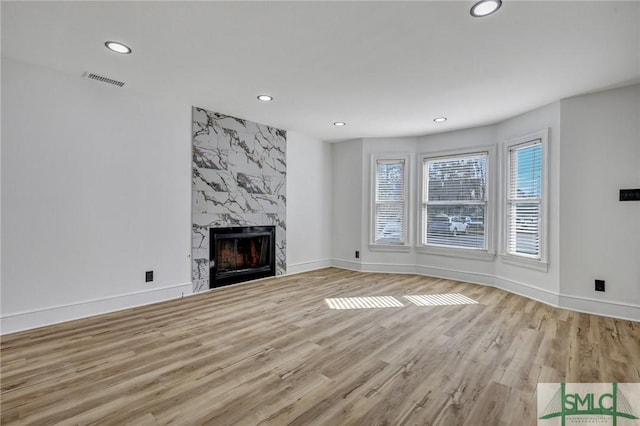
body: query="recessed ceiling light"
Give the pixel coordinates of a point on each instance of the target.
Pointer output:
(265, 98)
(440, 119)
(485, 7)
(114, 46)
(339, 123)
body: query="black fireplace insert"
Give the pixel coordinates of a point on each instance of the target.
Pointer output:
(238, 254)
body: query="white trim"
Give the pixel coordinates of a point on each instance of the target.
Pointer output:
(523, 262)
(25, 320)
(389, 268)
(529, 291)
(475, 254)
(346, 264)
(445, 273)
(608, 308)
(625, 311)
(398, 248)
(452, 274)
(312, 265)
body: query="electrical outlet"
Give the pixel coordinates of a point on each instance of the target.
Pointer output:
(357, 254)
(148, 276)
(599, 285)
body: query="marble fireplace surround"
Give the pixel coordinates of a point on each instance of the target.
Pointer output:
(238, 179)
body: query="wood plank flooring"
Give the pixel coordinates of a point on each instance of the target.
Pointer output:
(271, 352)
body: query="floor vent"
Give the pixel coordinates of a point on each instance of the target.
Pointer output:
(103, 79)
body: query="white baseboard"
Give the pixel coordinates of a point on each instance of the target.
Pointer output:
(20, 321)
(391, 268)
(346, 264)
(388, 268)
(627, 311)
(451, 274)
(612, 309)
(298, 268)
(527, 290)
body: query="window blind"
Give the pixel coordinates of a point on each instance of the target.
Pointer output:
(390, 194)
(524, 199)
(455, 201)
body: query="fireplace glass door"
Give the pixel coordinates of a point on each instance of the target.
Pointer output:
(241, 254)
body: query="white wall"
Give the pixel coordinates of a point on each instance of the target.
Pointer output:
(599, 235)
(540, 285)
(95, 191)
(347, 209)
(309, 201)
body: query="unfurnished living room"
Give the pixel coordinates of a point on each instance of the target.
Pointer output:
(320, 213)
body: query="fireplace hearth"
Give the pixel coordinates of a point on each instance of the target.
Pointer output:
(238, 254)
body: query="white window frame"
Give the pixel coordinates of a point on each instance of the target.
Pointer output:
(533, 262)
(488, 253)
(405, 245)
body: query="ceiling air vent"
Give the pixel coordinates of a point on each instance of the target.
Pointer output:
(103, 79)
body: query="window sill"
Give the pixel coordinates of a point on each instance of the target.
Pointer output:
(397, 248)
(460, 253)
(523, 262)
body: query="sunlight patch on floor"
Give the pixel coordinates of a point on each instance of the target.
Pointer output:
(440, 299)
(363, 302)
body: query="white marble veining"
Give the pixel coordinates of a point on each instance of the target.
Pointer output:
(239, 179)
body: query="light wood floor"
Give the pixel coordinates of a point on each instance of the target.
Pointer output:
(272, 352)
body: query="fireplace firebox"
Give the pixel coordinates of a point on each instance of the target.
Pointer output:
(238, 254)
